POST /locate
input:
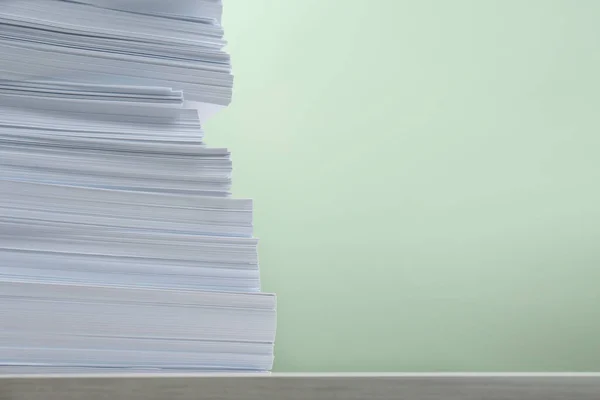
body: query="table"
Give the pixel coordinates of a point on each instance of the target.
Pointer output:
(301, 387)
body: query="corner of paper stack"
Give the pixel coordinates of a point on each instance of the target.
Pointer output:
(121, 247)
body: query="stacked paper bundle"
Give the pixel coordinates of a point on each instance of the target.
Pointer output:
(120, 246)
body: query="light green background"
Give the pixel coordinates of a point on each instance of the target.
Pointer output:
(426, 179)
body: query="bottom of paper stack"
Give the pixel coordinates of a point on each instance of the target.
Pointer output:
(101, 328)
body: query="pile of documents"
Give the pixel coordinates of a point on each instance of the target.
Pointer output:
(121, 247)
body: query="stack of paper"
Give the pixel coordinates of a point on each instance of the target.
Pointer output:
(120, 246)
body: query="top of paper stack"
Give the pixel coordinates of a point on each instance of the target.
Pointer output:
(173, 44)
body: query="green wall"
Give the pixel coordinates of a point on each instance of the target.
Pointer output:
(426, 176)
